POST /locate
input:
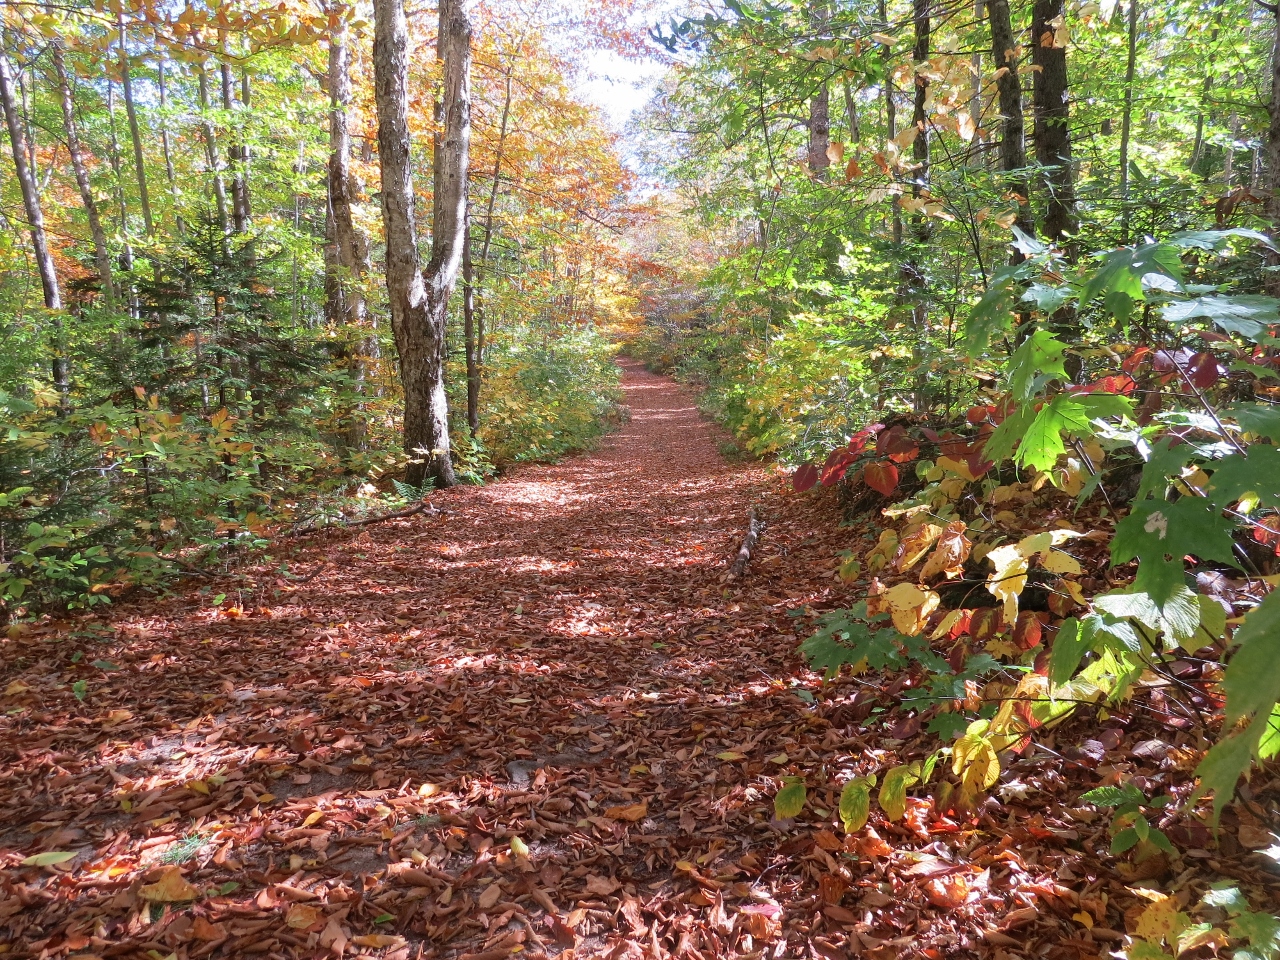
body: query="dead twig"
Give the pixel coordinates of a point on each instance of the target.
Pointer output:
(755, 527)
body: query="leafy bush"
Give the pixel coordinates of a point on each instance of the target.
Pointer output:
(545, 396)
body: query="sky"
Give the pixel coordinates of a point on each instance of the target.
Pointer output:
(619, 87)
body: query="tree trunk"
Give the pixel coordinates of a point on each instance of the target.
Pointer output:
(101, 256)
(236, 156)
(1052, 113)
(469, 335)
(1126, 121)
(35, 220)
(1013, 146)
(420, 299)
(348, 264)
(913, 277)
(1272, 282)
(30, 189)
(820, 102)
(211, 154)
(164, 146)
(144, 198)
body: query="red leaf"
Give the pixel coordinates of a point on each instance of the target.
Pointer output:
(1134, 359)
(805, 478)
(1120, 383)
(858, 442)
(881, 477)
(985, 623)
(837, 463)
(978, 414)
(899, 447)
(1204, 370)
(1027, 630)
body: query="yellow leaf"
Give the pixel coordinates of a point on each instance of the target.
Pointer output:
(729, 755)
(1009, 578)
(916, 545)
(965, 126)
(519, 848)
(959, 467)
(1084, 918)
(835, 151)
(910, 606)
(1056, 561)
(172, 887)
(315, 816)
(15, 688)
(949, 555)
(49, 858)
(199, 786)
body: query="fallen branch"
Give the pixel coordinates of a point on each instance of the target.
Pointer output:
(755, 527)
(420, 507)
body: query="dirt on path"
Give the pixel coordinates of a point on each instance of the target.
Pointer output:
(490, 728)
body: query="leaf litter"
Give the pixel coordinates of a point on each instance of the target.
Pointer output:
(544, 721)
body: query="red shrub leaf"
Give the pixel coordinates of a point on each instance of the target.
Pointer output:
(881, 477)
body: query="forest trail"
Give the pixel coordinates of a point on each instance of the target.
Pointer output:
(356, 736)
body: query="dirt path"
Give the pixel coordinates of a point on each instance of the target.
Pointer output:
(552, 665)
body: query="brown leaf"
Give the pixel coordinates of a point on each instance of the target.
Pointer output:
(634, 812)
(172, 887)
(602, 886)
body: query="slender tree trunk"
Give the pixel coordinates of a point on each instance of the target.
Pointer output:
(345, 295)
(914, 281)
(1013, 146)
(1052, 135)
(164, 146)
(890, 117)
(851, 115)
(135, 134)
(1272, 282)
(101, 256)
(975, 96)
(419, 299)
(469, 334)
(1126, 121)
(1197, 149)
(820, 102)
(235, 155)
(35, 220)
(211, 155)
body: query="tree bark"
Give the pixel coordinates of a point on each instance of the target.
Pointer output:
(211, 154)
(135, 134)
(236, 156)
(1272, 282)
(35, 219)
(419, 299)
(913, 277)
(348, 264)
(101, 256)
(30, 189)
(1052, 113)
(470, 340)
(1013, 146)
(1126, 121)
(820, 102)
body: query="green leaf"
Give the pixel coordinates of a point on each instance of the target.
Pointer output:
(1069, 647)
(106, 665)
(1213, 622)
(1252, 682)
(993, 314)
(1037, 361)
(1269, 745)
(1167, 458)
(1000, 444)
(1042, 444)
(1261, 930)
(1124, 840)
(1146, 950)
(1224, 896)
(1236, 475)
(1223, 766)
(49, 858)
(1113, 796)
(1246, 315)
(1123, 270)
(81, 689)
(1260, 418)
(893, 792)
(790, 799)
(855, 804)
(1216, 239)
(843, 638)
(1155, 529)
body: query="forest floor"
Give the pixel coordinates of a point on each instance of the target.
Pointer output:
(542, 718)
